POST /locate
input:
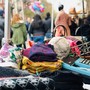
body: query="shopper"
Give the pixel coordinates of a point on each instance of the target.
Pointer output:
(1, 26)
(47, 22)
(37, 29)
(19, 31)
(64, 19)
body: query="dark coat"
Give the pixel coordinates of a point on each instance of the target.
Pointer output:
(37, 27)
(84, 30)
(48, 24)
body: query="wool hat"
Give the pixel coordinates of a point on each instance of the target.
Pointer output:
(61, 46)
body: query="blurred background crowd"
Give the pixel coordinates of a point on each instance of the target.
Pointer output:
(38, 18)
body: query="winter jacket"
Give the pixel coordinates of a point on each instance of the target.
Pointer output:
(63, 18)
(1, 27)
(48, 24)
(19, 33)
(37, 28)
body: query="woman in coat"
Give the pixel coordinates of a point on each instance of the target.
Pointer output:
(64, 19)
(37, 29)
(19, 31)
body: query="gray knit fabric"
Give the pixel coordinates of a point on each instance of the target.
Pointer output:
(10, 72)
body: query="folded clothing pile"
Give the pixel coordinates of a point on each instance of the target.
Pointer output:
(65, 80)
(42, 52)
(34, 67)
(27, 83)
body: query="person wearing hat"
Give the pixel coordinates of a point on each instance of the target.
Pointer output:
(74, 15)
(64, 19)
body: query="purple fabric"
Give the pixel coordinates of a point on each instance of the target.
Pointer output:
(74, 39)
(26, 52)
(42, 52)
